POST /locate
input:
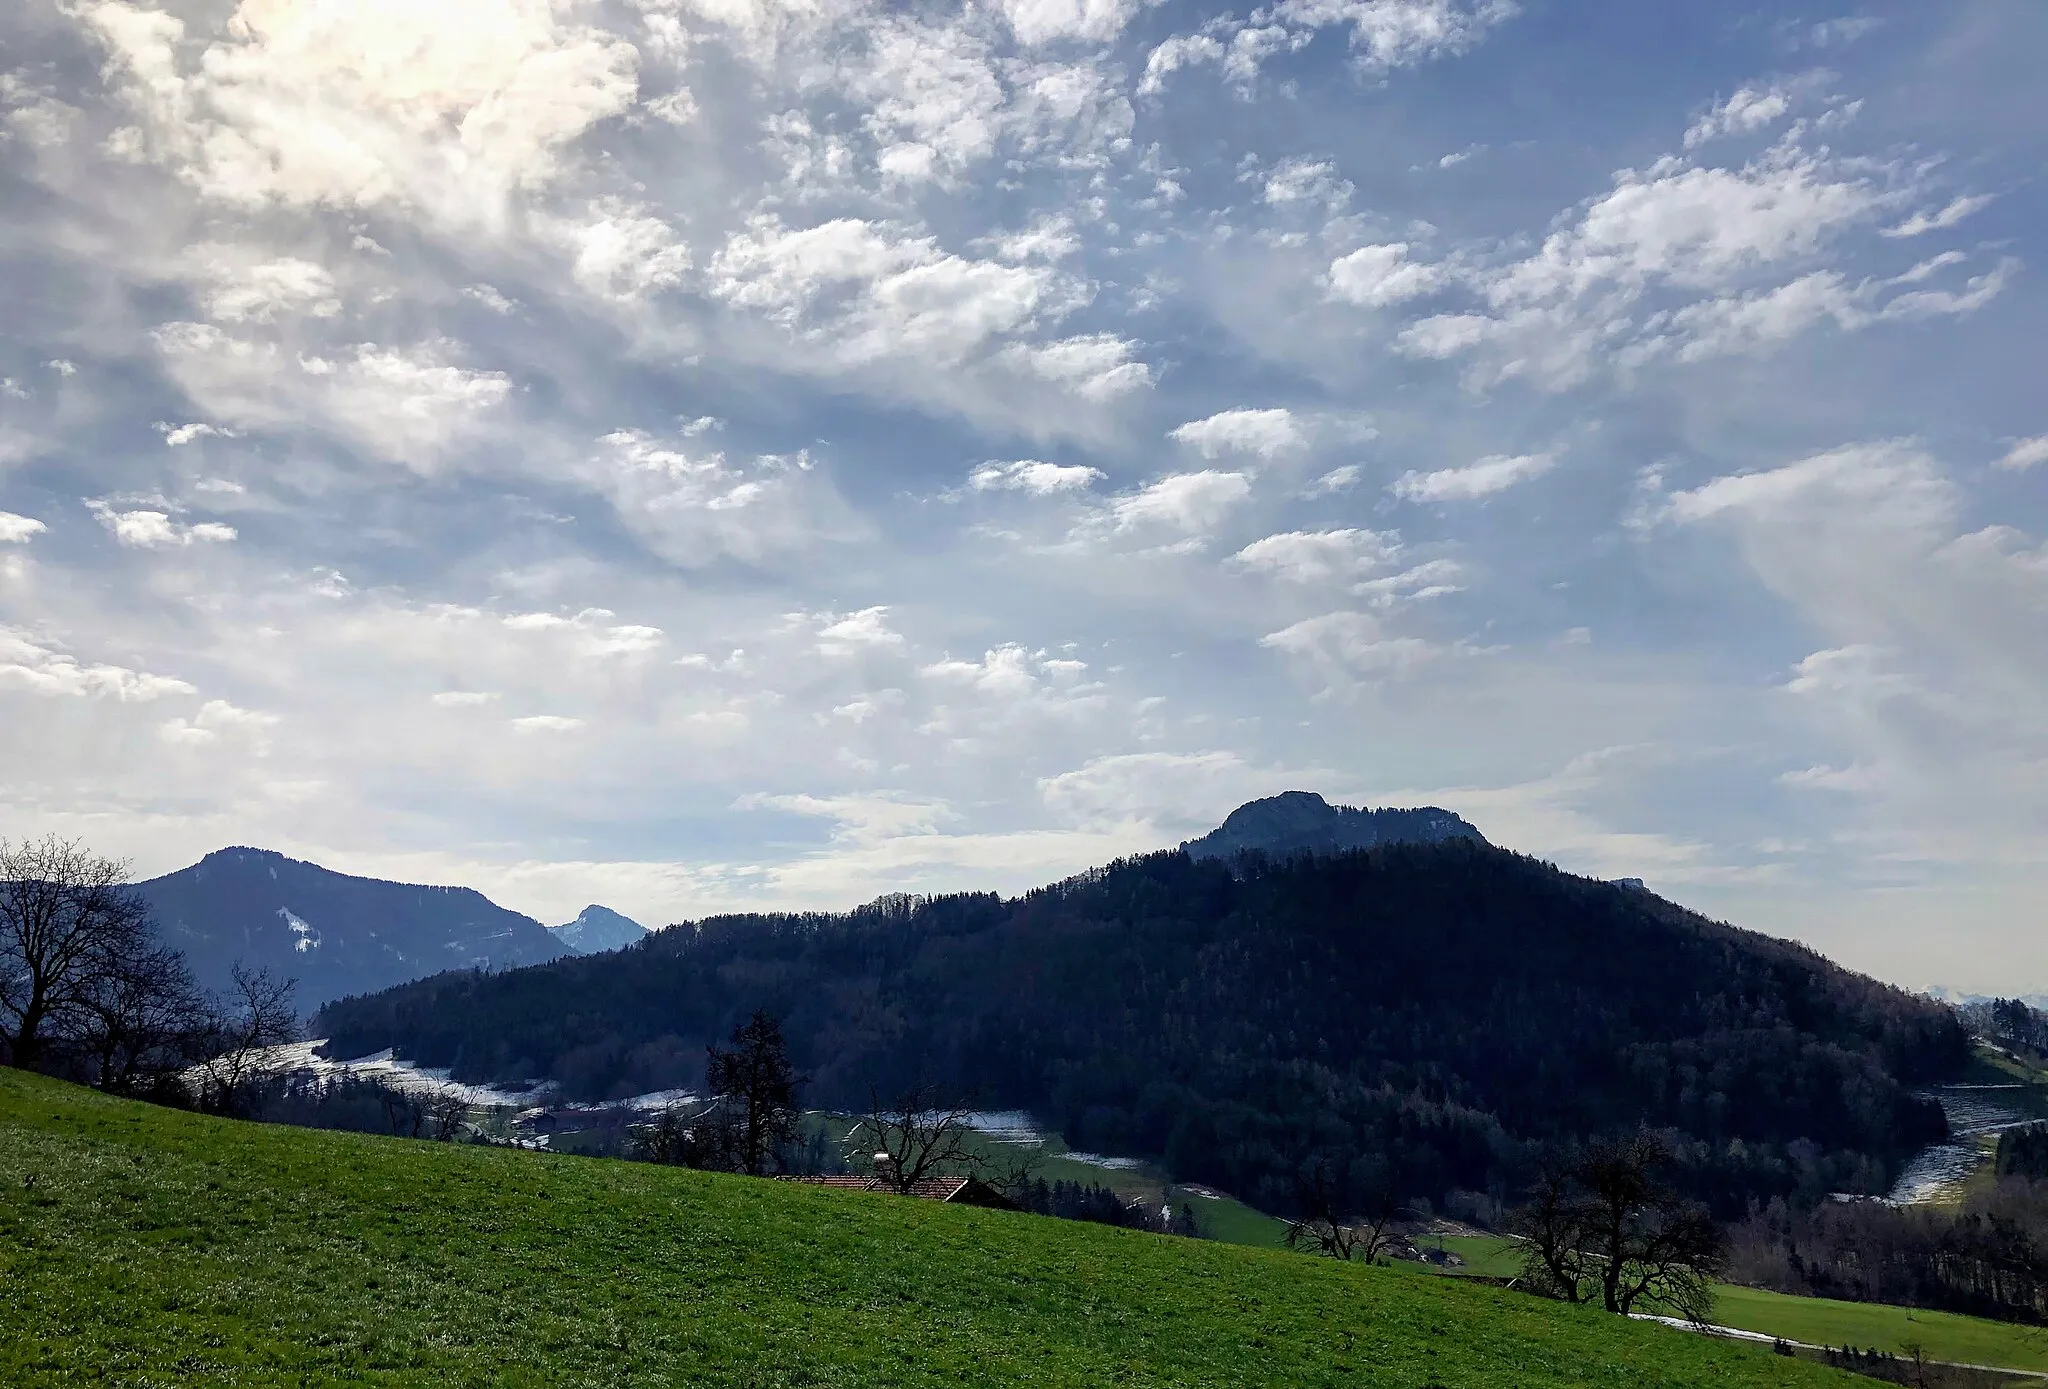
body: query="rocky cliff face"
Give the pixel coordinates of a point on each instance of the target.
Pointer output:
(1295, 822)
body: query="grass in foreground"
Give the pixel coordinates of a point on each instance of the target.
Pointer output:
(152, 1247)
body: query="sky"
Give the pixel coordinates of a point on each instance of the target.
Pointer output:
(708, 455)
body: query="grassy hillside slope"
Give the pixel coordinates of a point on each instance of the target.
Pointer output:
(144, 1246)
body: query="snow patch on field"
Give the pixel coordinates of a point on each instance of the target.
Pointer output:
(301, 1058)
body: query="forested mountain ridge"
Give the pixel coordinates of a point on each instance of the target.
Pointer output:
(334, 933)
(1423, 1015)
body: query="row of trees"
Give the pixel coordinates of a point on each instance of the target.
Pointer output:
(1988, 1256)
(1603, 1224)
(88, 990)
(2010, 1023)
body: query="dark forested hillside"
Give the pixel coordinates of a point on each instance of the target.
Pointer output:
(1424, 1015)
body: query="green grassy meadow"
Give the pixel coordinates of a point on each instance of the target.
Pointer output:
(1869, 1325)
(141, 1246)
(1823, 1321)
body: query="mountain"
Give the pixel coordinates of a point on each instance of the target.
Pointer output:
(336, 934)
(1425, 1016)
(597, 929)
(1295, 822)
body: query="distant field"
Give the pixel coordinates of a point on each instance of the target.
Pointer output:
(1868, 1325)
(1825, 1322)
(140, 1246)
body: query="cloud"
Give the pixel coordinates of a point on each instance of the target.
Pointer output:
(1839, 33)
(217, 718)
(2024, 454)
(1384, 35)
(1856, 671)
(155, 530)
(178, 435)
(408, 404)
(462, 699)
(1489, 475)
(16, 529)
(547, 723)
(1188, 791)
(1893, 483)
(1266, 434)
(1299, 180)
(1097, 367)
(1401, 33)
(1349, 648)
(1038, 22)
(29, 664)
(1374, 277)
(619, 250)
(1170, 56)
(1190, 503)
(1029, 475)
(1929, 678)
(1336, 480)
(446, 108)
(1751, 109)
(1309, 557)
(694, 506)
(1920, 223)
(866, 291)
(1697, 234)
(264, 292)
(841, 636)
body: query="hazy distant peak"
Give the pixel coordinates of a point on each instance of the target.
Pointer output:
(598, 928)
(1303, 822)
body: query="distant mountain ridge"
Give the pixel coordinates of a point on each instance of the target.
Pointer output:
(1295, 822)
(597, 929)
(335, 933)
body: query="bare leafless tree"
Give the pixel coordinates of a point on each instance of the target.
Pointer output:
(402, 1112)
(1330, 1223)
(1556, 1230)
(918, 1133)
(445, 1112)
(140, 1019)
(1603, 1224)
(756, 1089)
(67, 916)
(258, 1012)
(685, 1133)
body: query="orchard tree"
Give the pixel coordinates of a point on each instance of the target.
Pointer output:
(69, 922)
(1602, 1224)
